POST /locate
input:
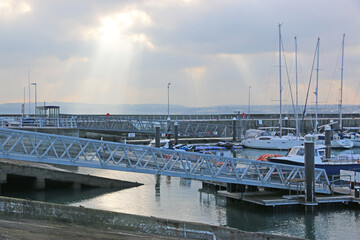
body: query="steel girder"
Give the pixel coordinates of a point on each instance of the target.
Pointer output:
(48, 148)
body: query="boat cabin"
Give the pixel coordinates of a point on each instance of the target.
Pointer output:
(255, 133)
(319, 151)
(164, 143)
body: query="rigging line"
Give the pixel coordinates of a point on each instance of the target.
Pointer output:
(300, 77)
(287, 73)
(333, 78)
(270, 66)
(357, 96)
(308, 89)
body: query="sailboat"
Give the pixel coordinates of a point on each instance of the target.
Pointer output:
(337, 141)
(353, 137)
(268, 141)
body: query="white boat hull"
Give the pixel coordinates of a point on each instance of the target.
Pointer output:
(342, 143)
(272, 144)
(356, 142)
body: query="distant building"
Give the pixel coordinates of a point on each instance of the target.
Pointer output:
(48, 111)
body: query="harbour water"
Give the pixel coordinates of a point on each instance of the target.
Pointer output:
(182, 199)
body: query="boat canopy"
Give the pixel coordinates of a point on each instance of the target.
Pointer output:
(254, 133)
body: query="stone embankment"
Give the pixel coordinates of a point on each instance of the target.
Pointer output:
(112, 221)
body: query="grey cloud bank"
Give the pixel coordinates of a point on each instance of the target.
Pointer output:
(125, 52)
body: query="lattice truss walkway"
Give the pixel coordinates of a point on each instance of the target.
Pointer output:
(186, 128)
(48, 148)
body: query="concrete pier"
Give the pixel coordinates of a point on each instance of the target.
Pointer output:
(327, 142)
(157, 135)
(39, 176)
(176, 133)
(309, 169)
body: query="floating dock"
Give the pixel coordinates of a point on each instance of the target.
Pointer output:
(279, 198)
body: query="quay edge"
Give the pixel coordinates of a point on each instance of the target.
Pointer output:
(112, 220)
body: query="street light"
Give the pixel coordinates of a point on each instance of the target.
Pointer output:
(29, 93)
(249, 102)
(34, 84)
(168, 87)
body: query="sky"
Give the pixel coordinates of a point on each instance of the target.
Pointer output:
(213, 52)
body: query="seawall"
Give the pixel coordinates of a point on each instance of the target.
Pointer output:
(112, 220)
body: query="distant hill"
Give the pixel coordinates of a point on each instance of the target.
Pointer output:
(84, 108)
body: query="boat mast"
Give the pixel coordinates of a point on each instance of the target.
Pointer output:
(341, 88)
(297, 92)
(317, 85)
(29, 93)
(280, 121)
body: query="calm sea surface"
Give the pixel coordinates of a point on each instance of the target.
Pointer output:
(180, 199)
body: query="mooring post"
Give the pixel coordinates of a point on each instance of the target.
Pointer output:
(234, 129)
(309, 169)
(327, 142)
(176, 131)
(157, 135)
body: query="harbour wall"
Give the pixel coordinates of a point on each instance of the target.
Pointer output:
(112, 220)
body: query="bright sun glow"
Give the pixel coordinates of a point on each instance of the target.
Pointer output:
(112, 27)
(11, 8)
(115, 61)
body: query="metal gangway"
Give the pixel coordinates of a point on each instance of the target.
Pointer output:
(116, 124)
(199, 128)
(57, 149)
(37, 122)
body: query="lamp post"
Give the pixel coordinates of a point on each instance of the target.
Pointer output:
(168, 87)
(29, 93)
(249, 102)
(34, 84)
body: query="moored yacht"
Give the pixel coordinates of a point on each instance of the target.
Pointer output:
(332, 166)
(265, 140)
(270, 141)
(336, 141)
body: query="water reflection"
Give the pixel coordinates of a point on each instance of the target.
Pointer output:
(168, 180)
(182, 199)
(157, 186)
(62, 196)
(309, 222)
(185, 182)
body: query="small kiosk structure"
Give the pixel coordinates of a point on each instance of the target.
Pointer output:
(49, 112)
